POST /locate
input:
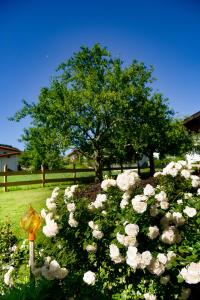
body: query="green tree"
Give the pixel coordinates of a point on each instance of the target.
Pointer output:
(41, 148)
(86, 104)
(156, 130)
(99, 107)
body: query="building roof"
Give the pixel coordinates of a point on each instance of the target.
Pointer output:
(8, 154)
(75, 152)
(193, 122)
(8, 151)
(9, 148)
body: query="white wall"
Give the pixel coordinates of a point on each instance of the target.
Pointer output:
(11, 162)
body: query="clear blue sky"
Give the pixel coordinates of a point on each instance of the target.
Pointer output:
(37, 35)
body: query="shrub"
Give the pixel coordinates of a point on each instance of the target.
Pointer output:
(131, 242)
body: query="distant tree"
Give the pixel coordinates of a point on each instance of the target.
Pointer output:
(41, 148)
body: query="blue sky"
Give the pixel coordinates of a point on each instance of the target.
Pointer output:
(37, 35)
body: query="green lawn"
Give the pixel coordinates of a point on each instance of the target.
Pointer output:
(14, 204)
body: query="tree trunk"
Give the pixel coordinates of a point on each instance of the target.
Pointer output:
(121, 165)
(151, 163)
(138, 167)
(98, 166)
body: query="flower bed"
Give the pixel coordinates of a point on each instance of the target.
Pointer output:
(130, 241)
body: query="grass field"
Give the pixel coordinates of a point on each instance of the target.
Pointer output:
(15, 203)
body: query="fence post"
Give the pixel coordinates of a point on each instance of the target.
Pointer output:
(74, 167)
(5, 178)
(43, 175)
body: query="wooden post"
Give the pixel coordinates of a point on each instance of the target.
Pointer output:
(43, 175)
(5, 178)
(74, 167)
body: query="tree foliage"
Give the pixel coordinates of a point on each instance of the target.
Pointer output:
(100, 107)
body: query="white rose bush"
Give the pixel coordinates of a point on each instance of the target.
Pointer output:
(133, 241)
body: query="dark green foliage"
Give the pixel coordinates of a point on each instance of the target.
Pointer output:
(42, 290)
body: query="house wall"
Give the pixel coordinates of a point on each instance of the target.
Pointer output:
(11, 162)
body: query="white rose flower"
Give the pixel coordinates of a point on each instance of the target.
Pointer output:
(97, 234)
(120, 238)
(182, 163)
(8, 276)
(54, 266)
(170, 236)
(146, 258)
(101, 197)
(50, 229)
(153, 232)
(195, 181)
(149, 190)
(162, 258)
(130, 241)
(72, 222)
(13, 248)
(62, 273)
(47, 260)
(162, 196)
(171, 256)
(93, 226)
(124, 203)
(43, 213)
(168, 167)
(139, 204)
(98, 204)
(126, 181)
(149, 296)
(115, 254)
(156, 174)
(173, 172)
(91, 248)
(131, 258)
(187, 195)
(73, 188)
(178, 218)
(180, 202)
(50, 204)
(71, 207)
(126, 196)
(156, 267)
(114, 251)
(164, 205)
(89, 278)
(178, 166)
(191, 273)
(132, 229)
(108, 183)
(190, 211)
(68, 194)
(185, 174)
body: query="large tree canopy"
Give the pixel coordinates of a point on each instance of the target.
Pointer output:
(98, 106)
